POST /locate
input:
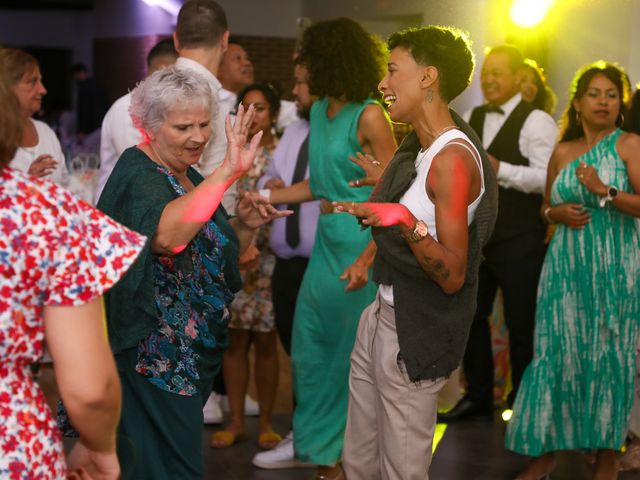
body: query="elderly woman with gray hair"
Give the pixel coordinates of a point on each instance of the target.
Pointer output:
(167, 318)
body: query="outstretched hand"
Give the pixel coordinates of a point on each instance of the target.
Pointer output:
(372, 169)
(254, 210)
(240, 153)
(378, 214)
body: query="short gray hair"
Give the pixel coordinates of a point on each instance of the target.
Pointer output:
(166, 89)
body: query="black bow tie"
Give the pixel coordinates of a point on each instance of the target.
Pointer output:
(493, 109)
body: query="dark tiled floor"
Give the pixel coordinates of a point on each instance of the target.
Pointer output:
(470, 450)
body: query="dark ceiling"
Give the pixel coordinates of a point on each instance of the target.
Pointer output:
(47, 4)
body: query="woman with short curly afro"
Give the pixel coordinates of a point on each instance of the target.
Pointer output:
(345, 64)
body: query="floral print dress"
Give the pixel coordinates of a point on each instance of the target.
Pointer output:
(252, 307)
(55, 250)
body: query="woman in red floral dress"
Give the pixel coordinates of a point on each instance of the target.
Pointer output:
(57, 256)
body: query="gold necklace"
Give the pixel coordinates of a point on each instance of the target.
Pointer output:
(445, 129)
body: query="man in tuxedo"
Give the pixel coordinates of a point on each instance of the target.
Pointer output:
(519, 140)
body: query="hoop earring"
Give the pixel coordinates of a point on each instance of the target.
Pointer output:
(578, 118)
(621, 116)
(429, 96)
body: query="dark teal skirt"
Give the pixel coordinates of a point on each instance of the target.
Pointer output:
(160, 433)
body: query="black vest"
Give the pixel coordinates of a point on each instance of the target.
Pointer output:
(518, 212)
(432, 326)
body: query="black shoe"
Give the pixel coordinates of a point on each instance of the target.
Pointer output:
(465, 409)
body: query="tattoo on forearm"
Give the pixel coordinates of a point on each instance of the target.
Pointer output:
(436, 267)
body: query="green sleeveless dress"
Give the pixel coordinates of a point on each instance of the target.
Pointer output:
(577, 393)
(326, 317)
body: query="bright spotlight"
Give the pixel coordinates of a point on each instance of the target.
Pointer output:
(529, 13)
(506, 415)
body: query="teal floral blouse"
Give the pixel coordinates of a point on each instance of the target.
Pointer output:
(193, 304)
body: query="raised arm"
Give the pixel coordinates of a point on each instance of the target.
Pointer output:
(454, 181)
(376, 134)
(184, 217)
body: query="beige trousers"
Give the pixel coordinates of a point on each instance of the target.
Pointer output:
(391, 420)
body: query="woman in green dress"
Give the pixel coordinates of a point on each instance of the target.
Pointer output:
(345, 64)
(577, 393)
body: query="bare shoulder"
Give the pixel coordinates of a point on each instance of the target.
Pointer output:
(454, 159)
(628, 146)
(565, 152)
(372, 114)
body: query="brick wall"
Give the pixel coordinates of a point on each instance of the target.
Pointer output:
(272, 60)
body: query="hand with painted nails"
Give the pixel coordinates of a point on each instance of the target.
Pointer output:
(372, 169)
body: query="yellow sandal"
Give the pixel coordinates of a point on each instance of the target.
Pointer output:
(268, 440)
(225, 439)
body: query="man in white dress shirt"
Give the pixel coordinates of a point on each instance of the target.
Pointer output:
(118, 132)
(201, 39)
(519, 140)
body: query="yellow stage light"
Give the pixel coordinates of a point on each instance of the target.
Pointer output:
(529, 13)
(506, 415)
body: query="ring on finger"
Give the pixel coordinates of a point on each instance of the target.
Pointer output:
(375, 162)
(357, 182)
(353, 205)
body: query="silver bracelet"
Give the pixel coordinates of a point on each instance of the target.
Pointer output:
(546, 216)
(266, 193)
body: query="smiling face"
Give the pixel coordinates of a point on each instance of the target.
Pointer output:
(263, 119)
(29, 90)
(181, 138)
(600, 105)
(236, 69)
(401, 86)
(499, 82)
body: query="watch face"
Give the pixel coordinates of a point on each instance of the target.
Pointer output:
(613, 192)
(421, 229)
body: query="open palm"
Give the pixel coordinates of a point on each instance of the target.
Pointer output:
(240, 153)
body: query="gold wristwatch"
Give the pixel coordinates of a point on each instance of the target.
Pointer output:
(420, 231)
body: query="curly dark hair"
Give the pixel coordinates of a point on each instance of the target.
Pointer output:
(446, 48)
(270, 92)
(343, 59)
(571, 126)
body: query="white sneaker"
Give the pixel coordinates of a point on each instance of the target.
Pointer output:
(211, 411)
(251, 408)
(282, 456)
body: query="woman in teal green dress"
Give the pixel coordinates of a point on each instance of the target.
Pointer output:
(577, 393)
(345, 64)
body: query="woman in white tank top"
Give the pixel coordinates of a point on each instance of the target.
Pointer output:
(394, 385)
